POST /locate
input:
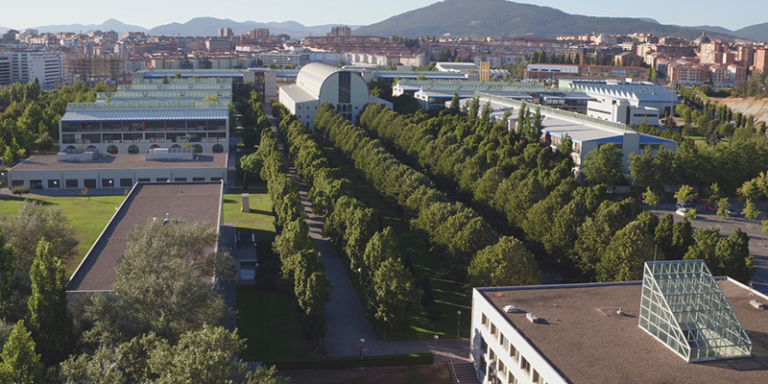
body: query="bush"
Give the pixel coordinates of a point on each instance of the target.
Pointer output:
(426, 286)
(20, 190)
(268, 276)
(434, 314)
(405, 360)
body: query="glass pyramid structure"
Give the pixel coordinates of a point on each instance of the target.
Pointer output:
(683, 307)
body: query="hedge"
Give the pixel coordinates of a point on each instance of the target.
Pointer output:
(356, 362)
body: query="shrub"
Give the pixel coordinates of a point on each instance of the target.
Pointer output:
(426, 286)
(20, 190)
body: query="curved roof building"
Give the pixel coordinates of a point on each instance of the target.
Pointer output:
(319, 83)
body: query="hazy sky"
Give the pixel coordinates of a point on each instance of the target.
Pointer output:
(150, 13)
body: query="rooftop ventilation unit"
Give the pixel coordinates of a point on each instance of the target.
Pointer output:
(757, 304)
(511, 309)
(531, 317)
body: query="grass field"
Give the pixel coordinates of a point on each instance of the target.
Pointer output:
(270, 324)
(449, 296)
(88, 217)
(258, 221)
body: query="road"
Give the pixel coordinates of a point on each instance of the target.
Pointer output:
(708, 219)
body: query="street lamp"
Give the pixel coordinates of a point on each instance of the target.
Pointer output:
(362, 346)
(458, 323)
(435, 350)
(360, 277)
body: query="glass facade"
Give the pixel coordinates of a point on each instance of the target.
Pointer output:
(683, 307)
(191, 131)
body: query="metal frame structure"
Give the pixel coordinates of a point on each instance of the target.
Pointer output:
(683, 307)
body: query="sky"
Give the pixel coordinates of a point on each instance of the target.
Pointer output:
(151, 13)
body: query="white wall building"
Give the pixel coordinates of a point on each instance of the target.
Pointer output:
(319, 83)
(640, 98)
(47, 66)
(612, 332)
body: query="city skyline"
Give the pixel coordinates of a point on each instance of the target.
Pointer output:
(50, 12)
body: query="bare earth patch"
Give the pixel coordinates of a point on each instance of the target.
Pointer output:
(748, 106)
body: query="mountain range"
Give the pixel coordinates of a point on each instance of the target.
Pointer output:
(476, 18)
(480, 18)
(199, 26)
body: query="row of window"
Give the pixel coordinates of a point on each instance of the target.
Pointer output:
(138, 126)
(105, 183)
(502, 372)
(134, 150)
(142, 137)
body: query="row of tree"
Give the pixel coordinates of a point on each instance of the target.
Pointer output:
(390, 291)
(456, 232)
(253, 120)
(154, 328)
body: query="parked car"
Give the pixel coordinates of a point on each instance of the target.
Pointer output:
(732, 212)
(697, 200)
(681, 211)
(710, 207)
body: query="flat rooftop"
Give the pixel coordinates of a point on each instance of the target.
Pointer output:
(587, 342)
(579, 132)
(189, 202)
(50, 163)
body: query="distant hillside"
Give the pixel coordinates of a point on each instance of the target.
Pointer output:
(111, 24)
(207, 26)
(648, 19)
(757, 32)
(713, 29)
(480, 18)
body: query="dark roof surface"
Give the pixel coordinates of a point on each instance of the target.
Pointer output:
(190, 202)
(50, 163)
(582, 336)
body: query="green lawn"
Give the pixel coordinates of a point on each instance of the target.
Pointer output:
(88, 217)
(449, 296)
(259, 220)
(270, 324)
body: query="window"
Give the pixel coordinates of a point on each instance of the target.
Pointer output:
(144, 180)
(494, 331)
(514, 353)
(525, 365)
(133, 150)
(107, 183)
(17, 183)
(511, 379)
(35, 184)
(484, 320)
(89, 183)
(502, 369)
(216, 179)
(218, 148)
(180, 179)
(483, 365)
(112, 150)
(483, 345)
(53, 184)
(126, 182)
(491, 355)
(345, 87)
(537, 378)
(162, 179)
(71, 183)
(503, 341)
(198, 179)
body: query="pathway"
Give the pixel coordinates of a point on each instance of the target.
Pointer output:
(344, 314)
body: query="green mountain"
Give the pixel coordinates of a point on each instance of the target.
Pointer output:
(480, 18)
(757, 32)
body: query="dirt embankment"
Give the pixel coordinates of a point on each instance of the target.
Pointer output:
(748, 106)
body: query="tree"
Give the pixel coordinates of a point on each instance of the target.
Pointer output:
(48, 308)
(507, 263)
(651, 198)
(397, 299)
(722, 209)
(20, 364)
(426, 286)
(750, 212)
(455, 103)
(604, 166)
(733, 257)
(159, 285)
(684, 194)
(714, 193)
(641, 168)
(624, 257)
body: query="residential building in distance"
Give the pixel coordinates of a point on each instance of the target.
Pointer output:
(320, 83)
(678, 322)
(46, 66)
(224, 32)
(340, 31)
(5, 69)
(259, 34)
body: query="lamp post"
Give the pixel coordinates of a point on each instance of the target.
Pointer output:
(360, 277)
(458, 323)
(362, 345)
(435, 350)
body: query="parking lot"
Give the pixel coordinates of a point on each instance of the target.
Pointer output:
(708, 219)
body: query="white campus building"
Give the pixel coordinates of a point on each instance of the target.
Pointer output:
(319, 83)
(678, 325)
(626, 102)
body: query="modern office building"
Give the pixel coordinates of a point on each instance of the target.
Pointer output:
(627, 102)
(678, 325)
(135, 128)
(587, 133)
(46, 66)
(5, 69)
(320, 83)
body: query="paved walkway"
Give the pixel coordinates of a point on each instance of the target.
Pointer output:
(344, 314)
